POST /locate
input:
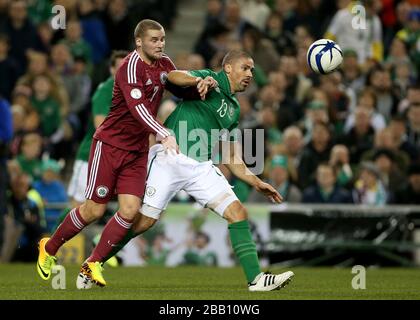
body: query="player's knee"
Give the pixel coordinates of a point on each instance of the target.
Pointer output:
(91, 211)
(235, 212)
(129, 210)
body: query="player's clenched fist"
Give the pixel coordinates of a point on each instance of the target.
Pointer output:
(204, 85)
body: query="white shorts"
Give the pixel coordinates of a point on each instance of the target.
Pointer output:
(78, 181)
(168, 174)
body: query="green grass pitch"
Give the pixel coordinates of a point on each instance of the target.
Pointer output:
(20, 281)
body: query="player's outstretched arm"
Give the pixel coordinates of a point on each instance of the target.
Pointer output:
(183, 79)
(233, 160)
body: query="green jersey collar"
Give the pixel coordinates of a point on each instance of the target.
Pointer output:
(224, 84)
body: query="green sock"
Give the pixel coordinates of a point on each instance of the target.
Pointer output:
(244, 248)
(130, 235)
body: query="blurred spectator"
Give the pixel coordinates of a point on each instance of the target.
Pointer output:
(39, 10)
(46, 105)
(8, 68)
(368, 188)
(255, 12)
(233, 20)
(24, 222)
(94, 32)
(316, 112)
(397, 53)
(38, 65)
(409, 193)
(261, 50)
(74, 41)
(339, 99)
(267, 117)
(78, 86)
(410, 34)
(214, 13)
(6, 133)
(391, 175)
(292, 148)
(288, 111)
(413, 97)
(353, 76)
(399, 132)
(384, 139)
(212, 41)
(21, 97)
(413, 125)
(379, 79)
(403, 77)
(117, 23)
(46, 35)
(340, 161)
(18, 116)
(52, 190)
(198, 252)
(367, 41)
(282, 39)
(279, 179)
(29, 159)
(368, 101)
(317, 151)
(326, 190)
(21, 32)
(298, 86)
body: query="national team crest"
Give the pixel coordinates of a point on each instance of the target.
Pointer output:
(231, 111)
(150, 191)
(163, 77)
(102, 191)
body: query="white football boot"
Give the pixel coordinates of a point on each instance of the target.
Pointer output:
(83, 282)
(268, 282)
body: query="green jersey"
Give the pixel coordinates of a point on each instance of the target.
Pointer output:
(101, 103)
(199, 125)
(49, 113)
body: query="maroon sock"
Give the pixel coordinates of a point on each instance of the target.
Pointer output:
(72, 224)
(114, 231)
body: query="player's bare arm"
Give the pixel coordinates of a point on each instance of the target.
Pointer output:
(234, 162)
(183, 79)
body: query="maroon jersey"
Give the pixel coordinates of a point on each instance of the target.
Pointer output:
(136, 97)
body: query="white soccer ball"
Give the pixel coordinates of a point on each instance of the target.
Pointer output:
(324, 56)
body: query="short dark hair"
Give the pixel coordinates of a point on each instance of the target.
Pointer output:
(144, 25)
(117, 54)
(234, 55)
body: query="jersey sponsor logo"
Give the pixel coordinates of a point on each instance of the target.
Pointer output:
(102, 191)
(217, 89)
(163, 77)
(148, 82)
(135, 93)
(150, 191)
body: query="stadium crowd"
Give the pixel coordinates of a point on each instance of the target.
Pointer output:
(352, 136)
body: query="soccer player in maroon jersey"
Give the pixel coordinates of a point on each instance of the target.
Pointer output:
(119, 151)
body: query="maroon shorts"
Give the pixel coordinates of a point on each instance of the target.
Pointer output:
(114, 171)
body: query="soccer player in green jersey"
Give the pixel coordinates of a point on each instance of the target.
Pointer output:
(206, 123)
